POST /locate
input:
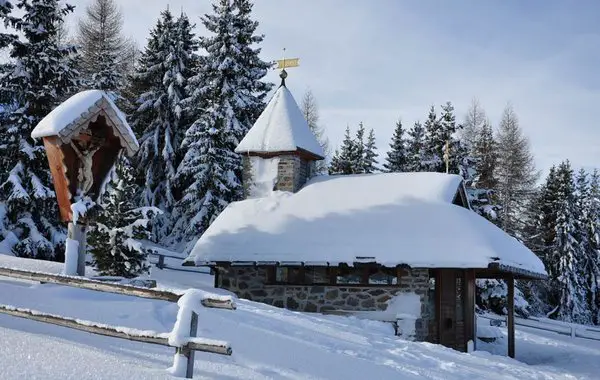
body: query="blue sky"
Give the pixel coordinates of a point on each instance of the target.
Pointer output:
(376, 61)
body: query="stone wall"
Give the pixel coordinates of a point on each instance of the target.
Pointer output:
(293, 172)
(251, 283)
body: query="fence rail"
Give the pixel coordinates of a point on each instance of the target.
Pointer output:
(184, 352)
(563, 328)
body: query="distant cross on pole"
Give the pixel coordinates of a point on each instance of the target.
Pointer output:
(285, 63)
(447, 155)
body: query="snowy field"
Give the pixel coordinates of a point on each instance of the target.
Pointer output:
(268, 343)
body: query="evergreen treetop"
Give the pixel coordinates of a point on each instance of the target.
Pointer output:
(397, 156)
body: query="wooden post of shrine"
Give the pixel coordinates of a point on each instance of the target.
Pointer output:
(78, 232)
(510, 325)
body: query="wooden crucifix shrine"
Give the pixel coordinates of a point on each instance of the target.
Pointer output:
(83, 138)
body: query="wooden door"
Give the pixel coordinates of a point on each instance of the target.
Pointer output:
(446, 307)
(450, 313)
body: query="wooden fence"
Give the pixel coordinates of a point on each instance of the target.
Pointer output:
(186, 350)
(571, 329)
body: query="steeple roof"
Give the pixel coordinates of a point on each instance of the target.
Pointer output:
(281, 128)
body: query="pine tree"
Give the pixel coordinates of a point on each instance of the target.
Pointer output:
(41, 75)
(482, 188)
(209, 167)
(593, 251)
(459, 156)
(310, 110)
(397, 156)
(250, 68)
(344, 159)
(416, 154)
(114, 240)
(588, 219)
(162, 116)
(370, 154)
(230, 92)
(357, 161)
(516, 172)
(434, 144)
(106, 55)
(567, 254)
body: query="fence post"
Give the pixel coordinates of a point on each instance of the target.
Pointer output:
(161, 262)
(573, 334)
(186, 351)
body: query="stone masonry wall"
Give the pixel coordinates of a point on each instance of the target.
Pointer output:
(293, 172)
(250, 283)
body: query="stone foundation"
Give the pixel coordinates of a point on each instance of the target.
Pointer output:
(251, 283)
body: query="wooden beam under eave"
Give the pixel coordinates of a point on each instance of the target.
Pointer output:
(510, 326)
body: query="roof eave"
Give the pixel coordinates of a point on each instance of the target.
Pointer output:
(518, 272)
(270, 154)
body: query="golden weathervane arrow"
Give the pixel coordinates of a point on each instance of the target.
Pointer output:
(287, 62)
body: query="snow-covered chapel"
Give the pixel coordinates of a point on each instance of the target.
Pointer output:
(398, 246)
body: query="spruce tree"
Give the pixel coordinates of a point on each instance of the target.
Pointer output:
(416, 154)
(209, 168)
(434, 144)
(155, 120)
(42, 75)
(357, 161)
(482, 188)
(567, 254)
(397, 156)
(162, 114)
(593, 251)
(344, 159)
(114, 239)
(250, 68)
(226, 97)
(370, 154)
(588, 220)
(460, 161)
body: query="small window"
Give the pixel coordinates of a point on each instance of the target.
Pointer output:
(316, 275)
(383, 277)
(289, 275)
(301, 275)
(350, 276)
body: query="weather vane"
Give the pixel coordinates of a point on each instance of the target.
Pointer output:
(285, 63)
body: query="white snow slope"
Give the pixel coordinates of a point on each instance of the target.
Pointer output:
(268, 343)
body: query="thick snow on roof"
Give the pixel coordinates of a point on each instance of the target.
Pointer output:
(76, 112)
(280, 128)
(396, 218)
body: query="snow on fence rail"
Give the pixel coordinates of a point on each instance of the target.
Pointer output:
(108, 287)
(182, 337)
(571, 329)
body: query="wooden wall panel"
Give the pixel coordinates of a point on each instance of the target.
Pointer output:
(59, 177)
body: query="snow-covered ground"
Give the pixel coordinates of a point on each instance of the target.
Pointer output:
(268, 343)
